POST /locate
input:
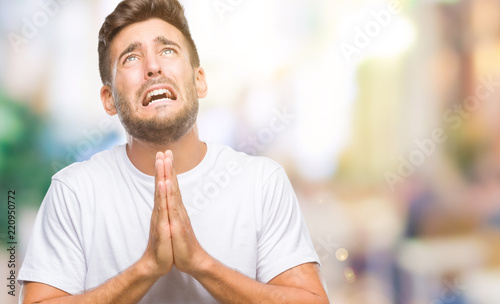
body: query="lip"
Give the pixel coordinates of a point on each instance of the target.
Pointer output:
(157, 87)
(158, 103)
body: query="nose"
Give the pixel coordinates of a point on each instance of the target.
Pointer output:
(153, 68)
(151, 74)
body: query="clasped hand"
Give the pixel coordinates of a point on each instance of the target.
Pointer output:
(171, 238)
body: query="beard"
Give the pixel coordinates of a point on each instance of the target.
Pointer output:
(160, 129)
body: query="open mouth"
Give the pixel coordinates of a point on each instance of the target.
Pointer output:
(158, 95)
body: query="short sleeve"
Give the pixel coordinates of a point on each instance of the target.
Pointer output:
(284, 241)
(55, 255)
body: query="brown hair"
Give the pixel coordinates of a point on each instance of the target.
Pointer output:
(131, 11)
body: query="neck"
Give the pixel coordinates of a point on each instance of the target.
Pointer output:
(188, 152)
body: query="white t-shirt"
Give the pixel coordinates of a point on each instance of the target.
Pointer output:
(94, 222)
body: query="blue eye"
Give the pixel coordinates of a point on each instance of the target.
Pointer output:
(168, 51)
(130, 58)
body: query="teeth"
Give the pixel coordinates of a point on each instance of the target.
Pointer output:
(158, 92)
(167, 92)
(158, 100)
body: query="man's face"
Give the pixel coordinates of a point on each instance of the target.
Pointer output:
(155, 89)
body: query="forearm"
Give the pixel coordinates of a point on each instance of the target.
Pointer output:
(230, 286)
(129, 287)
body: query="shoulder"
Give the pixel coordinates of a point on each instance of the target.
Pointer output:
(90, 170)
(259, 166)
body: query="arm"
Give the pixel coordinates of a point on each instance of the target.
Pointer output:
(128, 287)
(133, 283)
(300, 284)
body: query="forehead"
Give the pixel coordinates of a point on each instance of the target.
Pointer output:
(145, 32)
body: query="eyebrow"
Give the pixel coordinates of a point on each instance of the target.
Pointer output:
(158, 40)
(165, 41)
(131, 47)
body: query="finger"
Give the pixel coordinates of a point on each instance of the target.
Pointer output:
(173, 194)
(163, 212)
(162, 196)
(156, 198)
(159, 177)
(161, 155)
(174, 198)
(170, 170)
(176, 209)
(159, 169)
(169, 154)
(172, 206)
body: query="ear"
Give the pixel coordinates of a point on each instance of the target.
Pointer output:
(201, 82)
(107, 100)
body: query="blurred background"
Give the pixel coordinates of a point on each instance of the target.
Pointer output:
(390, 127)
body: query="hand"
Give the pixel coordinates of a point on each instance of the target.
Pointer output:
(159, 254)
(188, 253)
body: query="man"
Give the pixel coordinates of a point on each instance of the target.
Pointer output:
(116, 229)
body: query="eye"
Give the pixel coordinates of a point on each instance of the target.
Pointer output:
(131, 57)
(168, 50)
